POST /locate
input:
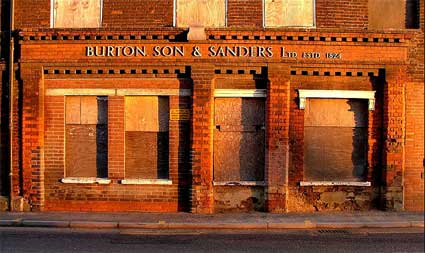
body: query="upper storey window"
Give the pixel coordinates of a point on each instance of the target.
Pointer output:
(393, 14)
(76, 13)
(283, 13)
(206, 13)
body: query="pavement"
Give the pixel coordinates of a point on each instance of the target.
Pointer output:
(263, 221)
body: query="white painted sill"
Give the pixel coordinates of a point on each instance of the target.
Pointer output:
(333, 183)
(147, 181)
(239, 183)
(85, 180)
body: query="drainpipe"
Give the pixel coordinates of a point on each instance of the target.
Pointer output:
(11, 99)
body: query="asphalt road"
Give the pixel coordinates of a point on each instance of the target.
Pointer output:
(67, 240)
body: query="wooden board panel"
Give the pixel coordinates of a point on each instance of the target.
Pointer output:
(336, 112)
(89, 109)
(81, 150)
(335, 153)
(385, 14)
(77, 13)
(73, 110)
(146, 113)
(207, 13)
(239, 139)
(239, 111)
(289, 13)
(238, 156)
(146, 155)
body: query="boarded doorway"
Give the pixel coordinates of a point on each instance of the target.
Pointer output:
(239, 138)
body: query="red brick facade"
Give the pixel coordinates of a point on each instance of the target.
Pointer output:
(55, 63)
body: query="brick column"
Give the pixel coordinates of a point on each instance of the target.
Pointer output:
(277, 138)
(393, 154)
(116, 137)
(201, 139)
(31, 124)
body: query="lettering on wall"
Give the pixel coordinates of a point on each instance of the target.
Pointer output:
(212, 51)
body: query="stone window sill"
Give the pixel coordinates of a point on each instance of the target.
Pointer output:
(239, 183)
(333, 183)
(147, 181)
(85, 180)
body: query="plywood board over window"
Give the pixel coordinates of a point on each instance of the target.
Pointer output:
(387, 14)
(146, 137)
(77, 13)
(206, 13)
(335, 139)
(239, 139)
(297, 13)
(86, 136)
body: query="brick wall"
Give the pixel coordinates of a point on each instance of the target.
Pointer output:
(193, 171)
(342, 14)
(26, 17)
(248, 13)
(414, 145)
(138, 14)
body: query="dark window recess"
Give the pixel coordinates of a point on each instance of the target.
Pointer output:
(412, 14)
(86, 145)
(147, 137)
(335, 140)
(239, 139)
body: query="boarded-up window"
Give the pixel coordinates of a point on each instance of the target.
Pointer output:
(278, 13)
(207, 13)
(335, 139)
(239, 139)
(146, 137)
(86, 136)
(77, 13)
(387, 14)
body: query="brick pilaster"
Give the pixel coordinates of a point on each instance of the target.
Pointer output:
(277, 138)
(394, 137)
(31, 157)
(201, 151)
(116, 137)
